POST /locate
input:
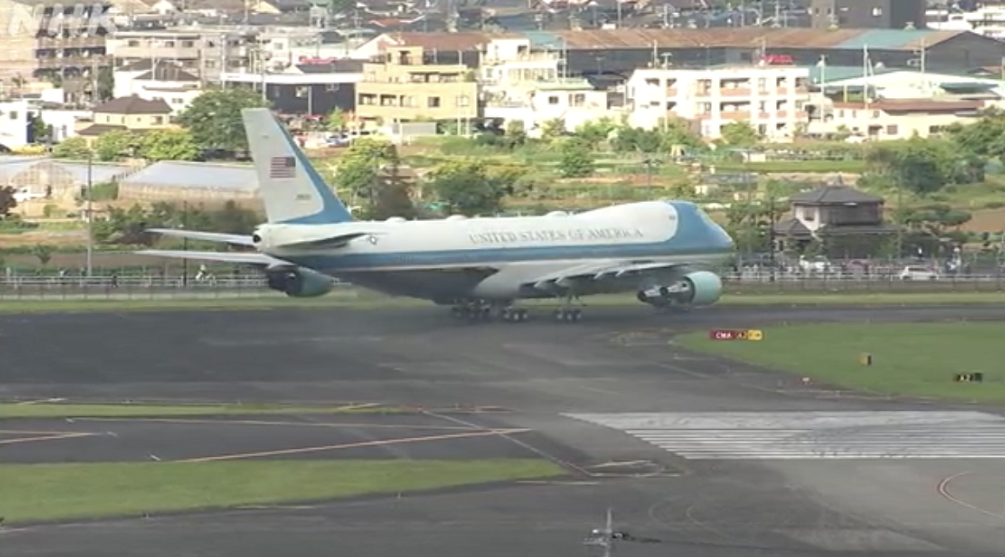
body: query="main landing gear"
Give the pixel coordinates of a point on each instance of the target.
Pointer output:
(480, 310)
(567, 313)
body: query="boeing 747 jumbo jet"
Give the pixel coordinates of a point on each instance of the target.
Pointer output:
(660, 250)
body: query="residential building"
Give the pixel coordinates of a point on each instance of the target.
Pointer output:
(621, 51)
(986, 20)
(15, 121)
(868, 14)
(70, 55)
(206, 52)
(306, 89)
(844, 222)
(575, 101)
(410, 84)
(127, 113)
(771, 98)
(890, 83)
(893, 119)
(158, 80)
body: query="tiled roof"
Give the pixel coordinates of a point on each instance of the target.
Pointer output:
(742, 37)
(195, 175)
(95, 130)
(166, 72)
(133, 105)
(915, 105)
(834, 195)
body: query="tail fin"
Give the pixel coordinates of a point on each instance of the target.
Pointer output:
(292, 190)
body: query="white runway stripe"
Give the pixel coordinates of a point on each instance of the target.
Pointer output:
(815, 435)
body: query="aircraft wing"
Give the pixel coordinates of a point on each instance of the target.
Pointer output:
(218, 256)
(236, 239)
(598, 271)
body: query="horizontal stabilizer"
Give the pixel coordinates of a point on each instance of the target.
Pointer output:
(326, 242)
(218, 256)
(235, 239)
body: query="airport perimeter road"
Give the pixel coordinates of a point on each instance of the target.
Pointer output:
(607, 389)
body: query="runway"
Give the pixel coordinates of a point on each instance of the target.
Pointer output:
(848, 474)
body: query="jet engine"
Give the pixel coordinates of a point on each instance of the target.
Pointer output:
(299, 282)
(700, 288)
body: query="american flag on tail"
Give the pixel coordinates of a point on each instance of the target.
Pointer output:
(282, 167)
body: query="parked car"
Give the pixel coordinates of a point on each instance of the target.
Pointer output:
(912, 272)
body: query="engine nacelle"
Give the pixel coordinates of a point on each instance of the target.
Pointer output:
(700, 288)
(299, 282)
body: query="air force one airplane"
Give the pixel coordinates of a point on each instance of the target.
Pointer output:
(659, 250)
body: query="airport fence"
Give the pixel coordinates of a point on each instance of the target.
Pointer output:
(254, 286)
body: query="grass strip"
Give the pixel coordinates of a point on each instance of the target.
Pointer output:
(48, 492)
(909, 359)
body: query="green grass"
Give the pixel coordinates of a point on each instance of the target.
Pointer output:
(377, 302)
(916, 359)
(44, 492)
(51, 410)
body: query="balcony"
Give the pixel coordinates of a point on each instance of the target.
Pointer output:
(72, 42)
(736, 92)
(525, 57)
(79, 61)
(734, 115)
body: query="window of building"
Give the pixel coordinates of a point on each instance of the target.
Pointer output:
(877, 12)
(892, 129)
(463, 100)
(433, 102)
(652, 82)
(133, 43)
(705, 108)
(188, 44)
(158, 120)
(553, 99)
(875, 114)
(762, 106)
(579, 99)
(169, 43)
(177, 100)
(13, 114)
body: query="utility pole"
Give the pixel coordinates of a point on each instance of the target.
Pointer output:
(771, 234)
(89, 208)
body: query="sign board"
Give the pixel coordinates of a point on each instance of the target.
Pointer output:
(777, 59)
(730, 334)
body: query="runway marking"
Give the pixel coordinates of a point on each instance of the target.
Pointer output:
(278, 423)
(45, 438)
(943, 490)
(35, 432)
(815, 435)
(40, 401)
(280, 452)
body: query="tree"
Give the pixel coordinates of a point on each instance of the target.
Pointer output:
(43, 252)
(106, 84)
(336, 121)
(921, 166)
(7, 201)
(115, 144)
(470, 187)
(577, 159)
(168, 145)
(515, 133)
(359, 169)
(984, 138)
(597, 131)
(552, 129)
(740, 134)
(214, 118)
(72, 148)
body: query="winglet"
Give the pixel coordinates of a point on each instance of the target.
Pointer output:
(293, 191)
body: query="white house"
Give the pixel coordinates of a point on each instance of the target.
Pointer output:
(158, 80)
(771, 98)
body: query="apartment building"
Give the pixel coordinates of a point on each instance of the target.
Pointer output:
(53, 43)
(510, 72)
(771, 98)
(888, 119)
(410, 84)
(206, 52)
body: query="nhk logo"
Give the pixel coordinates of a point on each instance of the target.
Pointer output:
(59, 20)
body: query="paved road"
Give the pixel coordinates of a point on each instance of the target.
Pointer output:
(617, 362)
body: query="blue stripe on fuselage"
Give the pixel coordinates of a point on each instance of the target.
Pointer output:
(696, 235)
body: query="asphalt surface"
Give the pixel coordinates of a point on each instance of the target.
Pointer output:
(534, 375)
